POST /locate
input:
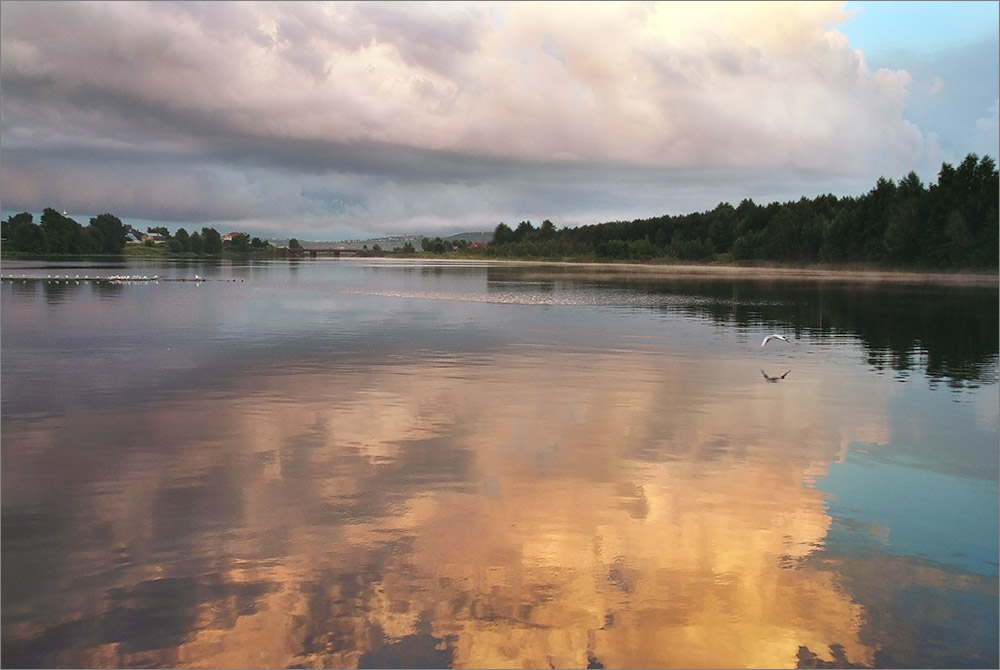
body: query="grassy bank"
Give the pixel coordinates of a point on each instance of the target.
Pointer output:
(161, 251)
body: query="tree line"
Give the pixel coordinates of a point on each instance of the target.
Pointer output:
(951, 224)
(208, 242)
(59, 234)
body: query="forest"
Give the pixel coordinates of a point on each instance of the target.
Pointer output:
(57, 234)
(952, 224)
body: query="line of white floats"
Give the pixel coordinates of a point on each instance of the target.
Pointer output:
(133, 278)
(109, 278)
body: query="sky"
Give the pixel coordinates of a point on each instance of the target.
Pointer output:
(355, 120)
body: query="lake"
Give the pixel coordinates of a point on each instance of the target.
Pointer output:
(383, 463)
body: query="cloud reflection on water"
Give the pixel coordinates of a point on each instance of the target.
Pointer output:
(352, 473)
(524, 510)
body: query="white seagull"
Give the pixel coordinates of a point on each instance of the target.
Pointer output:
(773, 337)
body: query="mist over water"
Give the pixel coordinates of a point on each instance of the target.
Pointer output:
(407, 464)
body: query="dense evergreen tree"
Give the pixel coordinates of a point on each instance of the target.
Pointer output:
(437, 245)
(107, 234)
(29, 238)
(211, 241)
(239, 242)
(503, 234)
(952, 224)
(9, 227)
(196, 242)
(183, 239)
(63, 235)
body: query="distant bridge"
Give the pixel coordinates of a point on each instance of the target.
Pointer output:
(335, 252)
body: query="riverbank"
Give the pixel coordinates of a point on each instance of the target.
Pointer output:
(608, 270)
(763, 273)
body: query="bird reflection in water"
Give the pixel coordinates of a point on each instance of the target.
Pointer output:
(774, 379)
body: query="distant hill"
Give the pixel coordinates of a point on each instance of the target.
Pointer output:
(471, 237)
(387, 243)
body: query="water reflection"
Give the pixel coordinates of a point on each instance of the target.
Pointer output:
(342, 479)
(510, 514)
(947, 331)
(775, 378)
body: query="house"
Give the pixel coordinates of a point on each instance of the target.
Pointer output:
(228, 237)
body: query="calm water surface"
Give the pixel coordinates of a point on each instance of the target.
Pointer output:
(345, 463)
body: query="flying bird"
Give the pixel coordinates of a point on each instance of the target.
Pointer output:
(774, 379)
(773, 337)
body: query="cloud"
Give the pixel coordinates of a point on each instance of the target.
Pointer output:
(432, 96)
(989, 125)
(952, 90)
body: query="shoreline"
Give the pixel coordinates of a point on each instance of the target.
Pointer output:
(652, 270)
(595, 269)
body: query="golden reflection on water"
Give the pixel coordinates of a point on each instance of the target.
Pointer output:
(540, 510)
